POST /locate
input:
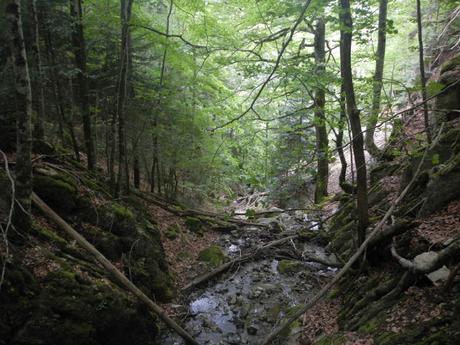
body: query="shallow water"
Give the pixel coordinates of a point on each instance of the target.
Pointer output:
(243, 306)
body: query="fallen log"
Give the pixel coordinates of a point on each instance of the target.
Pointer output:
(40, 204)
(222, 268)
(217, 218)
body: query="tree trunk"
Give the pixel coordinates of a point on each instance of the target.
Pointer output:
(79, 48)
(136, 172)
(378, 76)
(125, 56)
(23, 94)
(354, 117)
(322, 144)
(58, 96)
(38, 124)
(422, 71)
(346, 187)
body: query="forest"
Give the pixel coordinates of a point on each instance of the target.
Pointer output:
(229, 172)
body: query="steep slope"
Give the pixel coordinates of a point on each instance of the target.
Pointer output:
(53, 292)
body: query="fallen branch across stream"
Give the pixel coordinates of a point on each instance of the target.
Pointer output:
(220, 219)
(112, 269)
(222, 268)
(284, 326)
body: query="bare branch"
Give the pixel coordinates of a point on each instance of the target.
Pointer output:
(275, 68)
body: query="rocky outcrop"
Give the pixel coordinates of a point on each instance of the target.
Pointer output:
(54, 292)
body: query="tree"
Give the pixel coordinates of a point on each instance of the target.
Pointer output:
(38, 123)
(354, 117)
(122, 93)
(23, 170)
(378, 77)
(422, 70)
(79, 49)
(322, 145)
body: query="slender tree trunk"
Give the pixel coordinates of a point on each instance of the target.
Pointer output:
(378, 77)
(79, 47)
(123, 169)
(322, 143)
(136, 169)
(38, 124)
(354, 117)
(156, 153)
(23, 93)
(346, 187)
(422, 71)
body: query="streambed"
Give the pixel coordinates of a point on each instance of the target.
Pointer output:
(245, 304)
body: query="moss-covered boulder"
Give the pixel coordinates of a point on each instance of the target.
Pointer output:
(440, 190)
(65, 308)
(449, 101)
(213, 256)
(57, 190)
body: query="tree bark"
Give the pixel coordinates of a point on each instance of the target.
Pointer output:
(23, 94)
(79, 48)
(354, 117)
(38, 124)
(125, 57)
(378, 77)
(322, 143)
(422, 71)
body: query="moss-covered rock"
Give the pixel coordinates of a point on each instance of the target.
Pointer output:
(289, 266)
(448, 101)
(194, 224)
(60, 310)
(58, 191)
(440, 189)
(213, 256)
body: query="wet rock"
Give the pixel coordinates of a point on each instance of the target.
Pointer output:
(252, 330)
(233, 339)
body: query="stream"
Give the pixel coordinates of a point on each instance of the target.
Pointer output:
(243, 305)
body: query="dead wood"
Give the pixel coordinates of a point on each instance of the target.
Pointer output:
(249, 256)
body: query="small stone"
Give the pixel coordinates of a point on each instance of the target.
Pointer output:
(233, 339)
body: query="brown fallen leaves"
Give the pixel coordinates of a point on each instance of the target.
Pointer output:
(441, 226)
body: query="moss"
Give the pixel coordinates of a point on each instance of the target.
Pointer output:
(369, 327)
(289, 266)
(122, 212)
(172, 232)
(335, 339)
(451, 64)
(194, 224)
(59, 192)
(214, 256)
(334, 293)
(48, 234)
